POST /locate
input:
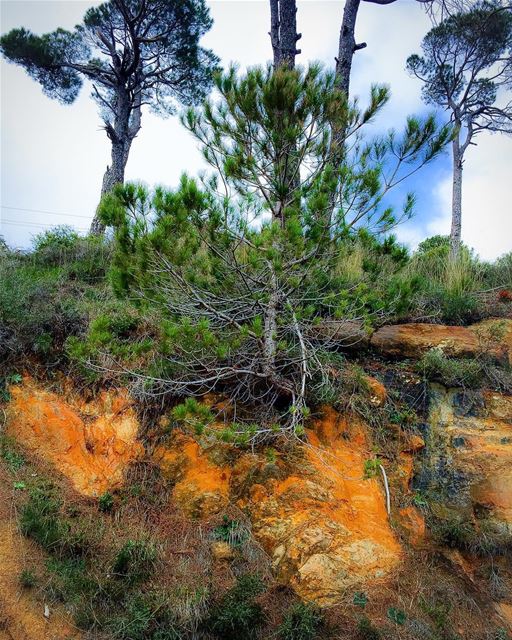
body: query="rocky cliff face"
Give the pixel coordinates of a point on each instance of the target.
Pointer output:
(318, 510)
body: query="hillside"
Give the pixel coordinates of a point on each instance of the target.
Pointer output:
(148, 516)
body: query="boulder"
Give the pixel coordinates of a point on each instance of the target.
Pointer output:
(326, 525)
(492, 337)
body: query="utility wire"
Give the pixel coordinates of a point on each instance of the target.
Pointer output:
(53, 213)
(17, 223)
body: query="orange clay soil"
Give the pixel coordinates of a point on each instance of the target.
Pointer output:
(91, 443)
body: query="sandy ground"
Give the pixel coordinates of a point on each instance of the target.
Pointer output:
(22, 610)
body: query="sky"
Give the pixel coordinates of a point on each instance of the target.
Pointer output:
(53, 157)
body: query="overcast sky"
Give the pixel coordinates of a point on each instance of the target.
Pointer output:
(53, 156)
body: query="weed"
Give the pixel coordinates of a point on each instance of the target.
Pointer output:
(371, 468)
(106, 502)
(301, 622)
(452, 372)
(237, 615)
(231, 531)
(28, 579)
(367, 631)
(135, 562)
(396, 615)
(10, 455)
(360, 599)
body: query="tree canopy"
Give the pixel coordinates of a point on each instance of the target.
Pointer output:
(134, 52)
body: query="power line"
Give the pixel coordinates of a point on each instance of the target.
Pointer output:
(17, 223)
(53, 213)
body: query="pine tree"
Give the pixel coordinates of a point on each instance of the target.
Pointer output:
(244, 267)
(134, 53)
(466, 59)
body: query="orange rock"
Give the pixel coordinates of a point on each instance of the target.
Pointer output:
(412, 523)
(413, 340)
(89, 442)
(378, 393)
(493, 337)
(415, 443)
(201, 487)
(405, 470)
(480, 446)
(326, 527)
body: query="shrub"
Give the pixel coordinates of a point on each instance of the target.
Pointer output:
(54, 241)
(40, 519)
(106, 502)
(367, 631)
(301, 622)
(135, 562)
(452, 372)
(28, 579)
(10, 454)
(237, 615)
(231, 531)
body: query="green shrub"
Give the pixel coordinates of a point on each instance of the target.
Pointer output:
(40, 520)
(106, 502)
(10, 454)
(452, 372)
(144, 617)
(237, 615)
(367, 631)
(301, 622)
(135, 562)
(55, 240)
(231, 531)
(28, 579)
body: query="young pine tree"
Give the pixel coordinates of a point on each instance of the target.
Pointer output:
(244, 267)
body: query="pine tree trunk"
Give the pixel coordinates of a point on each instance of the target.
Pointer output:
(112, 176)
(283, 32)
(347, 45)
(455, 234)
(121, 134)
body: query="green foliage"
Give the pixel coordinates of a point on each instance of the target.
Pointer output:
(439, 612)
(237, 614)
(371, 468)
(106, 502)
(41, 520)
(367, 631)
(134, 562)
(452, 372)
(205, 261)
(10, 454)
(28, 579)
(39, 309)
(231, 531)
(459, 60)
(61, 59)
(360, 599)
(396, 615)
(54, 241)
(301, 622)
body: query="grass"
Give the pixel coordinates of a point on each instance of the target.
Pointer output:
(301, 622)
(237, 615)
